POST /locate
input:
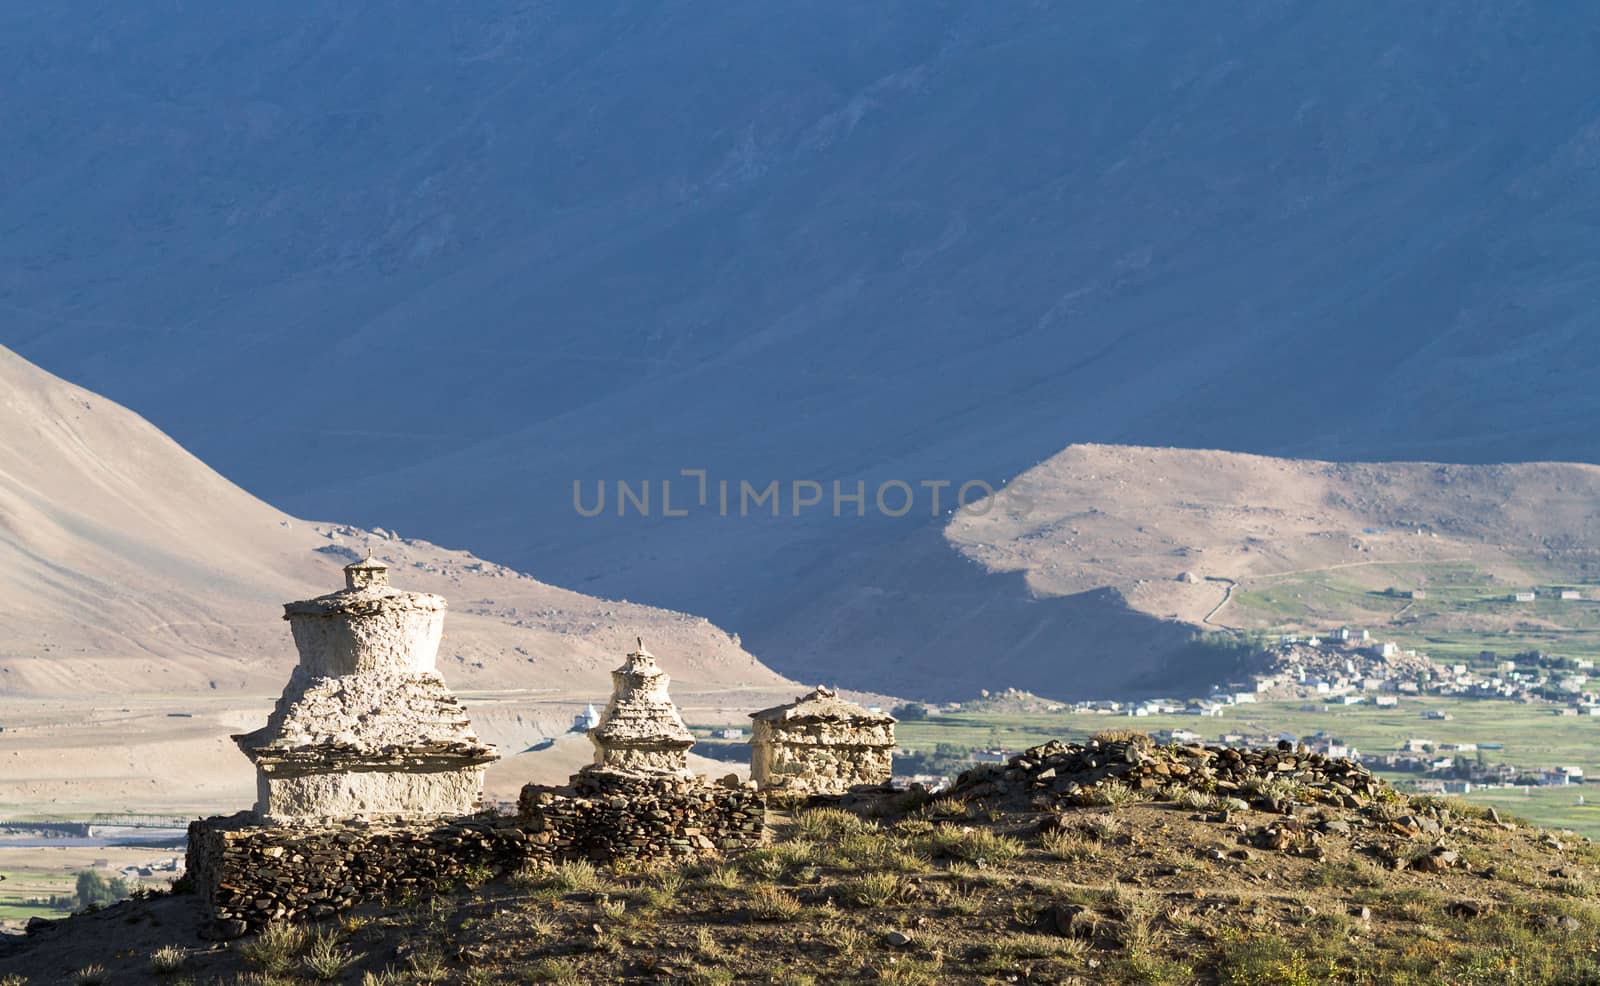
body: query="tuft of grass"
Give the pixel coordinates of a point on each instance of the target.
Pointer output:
(768, 903)
(826, 824)
(1198, 800)
(969, 845)
(908, 972)
(561, 972)
(326, 959)
(276, 950)
(578, 876)
(91, 975)
(723, 878)
(764, 864)
(1111, 794)
(426, 965)
(1068, 845)
(873, 890)
(167, 960)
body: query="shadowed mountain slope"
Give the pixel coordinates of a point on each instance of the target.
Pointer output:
(536, 243)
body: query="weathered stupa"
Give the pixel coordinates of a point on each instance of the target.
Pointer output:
(640, 732)
(820, 744)
(366, 725)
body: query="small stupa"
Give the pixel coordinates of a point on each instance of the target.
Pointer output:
(640, 732)
(366, 725)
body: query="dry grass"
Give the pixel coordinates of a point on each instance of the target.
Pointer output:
(1140, 893)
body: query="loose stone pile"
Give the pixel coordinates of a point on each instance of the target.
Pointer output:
(646, 818)
(820, 744)
(1268, 780)
(248, 874)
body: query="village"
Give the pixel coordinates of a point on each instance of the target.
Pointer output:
(1346, 669)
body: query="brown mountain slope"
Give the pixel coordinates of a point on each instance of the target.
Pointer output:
(129, 566)
(1202, 537)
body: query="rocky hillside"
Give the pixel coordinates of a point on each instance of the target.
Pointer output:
(1107, 862)
(422, 266)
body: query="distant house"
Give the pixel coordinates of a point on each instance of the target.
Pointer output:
(727, 734)
(1388, 649)
(1387, 701)
(1571, 594)
(1419, 593)
(1526, 597)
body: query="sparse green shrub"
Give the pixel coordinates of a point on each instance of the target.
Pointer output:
(1265, 960)
(477, 876)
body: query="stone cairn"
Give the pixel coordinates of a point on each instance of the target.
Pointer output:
(366, 725)
(820, 744)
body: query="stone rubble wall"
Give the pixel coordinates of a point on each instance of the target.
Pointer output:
(821, 757)
(248, 875)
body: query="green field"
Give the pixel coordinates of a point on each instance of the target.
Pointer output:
(1533, 738)
(1466, 611)
(23, 884)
